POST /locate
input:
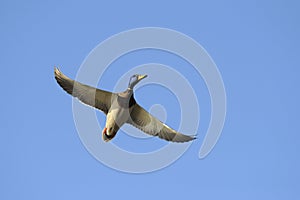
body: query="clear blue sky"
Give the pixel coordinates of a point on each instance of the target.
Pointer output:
(256, 47)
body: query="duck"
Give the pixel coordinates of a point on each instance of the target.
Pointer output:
(120, 108)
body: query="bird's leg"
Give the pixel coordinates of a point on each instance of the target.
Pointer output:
(104, 130)
(104, 133)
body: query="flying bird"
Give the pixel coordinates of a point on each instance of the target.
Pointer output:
(119, 108)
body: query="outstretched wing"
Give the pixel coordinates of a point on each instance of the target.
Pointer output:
(144, 121)
(91, 96)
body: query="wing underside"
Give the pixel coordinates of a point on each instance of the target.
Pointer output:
(144, 121)
(91, 96)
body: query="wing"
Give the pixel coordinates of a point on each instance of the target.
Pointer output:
(91, 96)
(144, 121)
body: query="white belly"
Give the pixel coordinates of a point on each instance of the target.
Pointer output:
(117, 117)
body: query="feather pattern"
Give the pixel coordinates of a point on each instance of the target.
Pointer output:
(144, 121)
(120, 108)
(91, 96)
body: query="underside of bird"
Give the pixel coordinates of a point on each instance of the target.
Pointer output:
(120, 108)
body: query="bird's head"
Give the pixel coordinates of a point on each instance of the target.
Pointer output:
(135, 79)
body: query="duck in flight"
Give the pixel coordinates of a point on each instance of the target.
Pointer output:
(120, 108)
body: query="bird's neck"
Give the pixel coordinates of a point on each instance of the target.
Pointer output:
(126, 94)
(129, 91)
(126, 99)
(132, 84)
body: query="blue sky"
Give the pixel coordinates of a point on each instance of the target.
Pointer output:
(255, 45)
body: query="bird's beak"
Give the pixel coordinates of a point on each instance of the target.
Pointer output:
(142, 77)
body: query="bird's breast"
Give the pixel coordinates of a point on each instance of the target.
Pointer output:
(126, 102)
(117, 117)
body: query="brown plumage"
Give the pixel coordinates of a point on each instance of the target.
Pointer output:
(120, 108)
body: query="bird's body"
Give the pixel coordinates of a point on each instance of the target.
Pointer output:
(116, 117)
(120, 108)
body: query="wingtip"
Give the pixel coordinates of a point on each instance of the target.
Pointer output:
(56, 70)
(57, 73)
(192, 138)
